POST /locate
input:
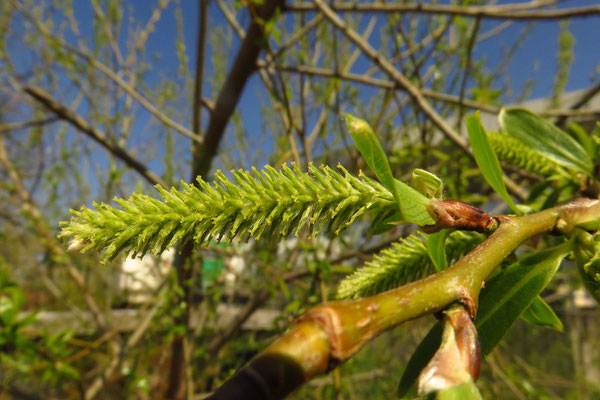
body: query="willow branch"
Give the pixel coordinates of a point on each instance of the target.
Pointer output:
(331, 333)
(109, 73)
(98, 136)
(507, 11)
(243, 67)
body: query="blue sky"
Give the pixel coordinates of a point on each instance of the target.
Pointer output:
(535, 58)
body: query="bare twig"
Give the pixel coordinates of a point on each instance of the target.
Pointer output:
(82, 125)
(27, 124)
(109, 73)
(29, 208)
(95, 387)
(507, 11)
(465, 78)
(583, 100)
(405, 84)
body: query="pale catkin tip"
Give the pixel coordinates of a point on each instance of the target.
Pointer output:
(77, 244)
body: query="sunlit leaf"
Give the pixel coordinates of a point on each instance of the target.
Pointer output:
(427, 184)
(412, 204)
(467, 391)
(541, 314)
(486, 158)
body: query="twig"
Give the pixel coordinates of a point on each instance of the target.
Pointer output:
(26, 124)
(109, 73)
(243, 66)
(117, 360)
(82, 125)
(405, 84)
(111, 38)
(507, 11)
(29, 208)
(449, 98)
(585, 97)
(465, 78)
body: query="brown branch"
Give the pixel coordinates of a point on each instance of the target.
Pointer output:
(583, 100)
(407, 86)
(431, 94)
(507, 11)
(109, 73)
(31, 211)
(243, 67)
(62, 112)
(180, 378)
(26, 124)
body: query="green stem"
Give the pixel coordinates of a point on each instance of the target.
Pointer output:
(330, 333)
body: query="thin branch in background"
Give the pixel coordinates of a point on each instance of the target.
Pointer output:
(117, 360)
(406, 85)
(83, 126)
(14, 126)
(109, 73)
(467, 70)
(114, 45)
(507, 12)
(588, 95)
(30, 209)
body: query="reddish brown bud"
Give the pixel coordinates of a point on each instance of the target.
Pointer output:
(456, 214)
(457, 360)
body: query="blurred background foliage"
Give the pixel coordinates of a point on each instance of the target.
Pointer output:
(103, 98)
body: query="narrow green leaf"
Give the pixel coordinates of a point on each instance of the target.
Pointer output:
(407, 388)
(545, 138)
(486, 158)
(505, 298)
(541, 314)
(436, 246)
(412, 204)
(500, 304)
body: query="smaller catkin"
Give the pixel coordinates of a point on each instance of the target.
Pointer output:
(403, 262)
(516, 154)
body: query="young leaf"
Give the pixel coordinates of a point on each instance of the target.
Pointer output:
(500, 304)
(486, 158)
(506, 297)
(436, 246)
(545, 138)
(427, 184)
(541, 314)
(413, 204)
